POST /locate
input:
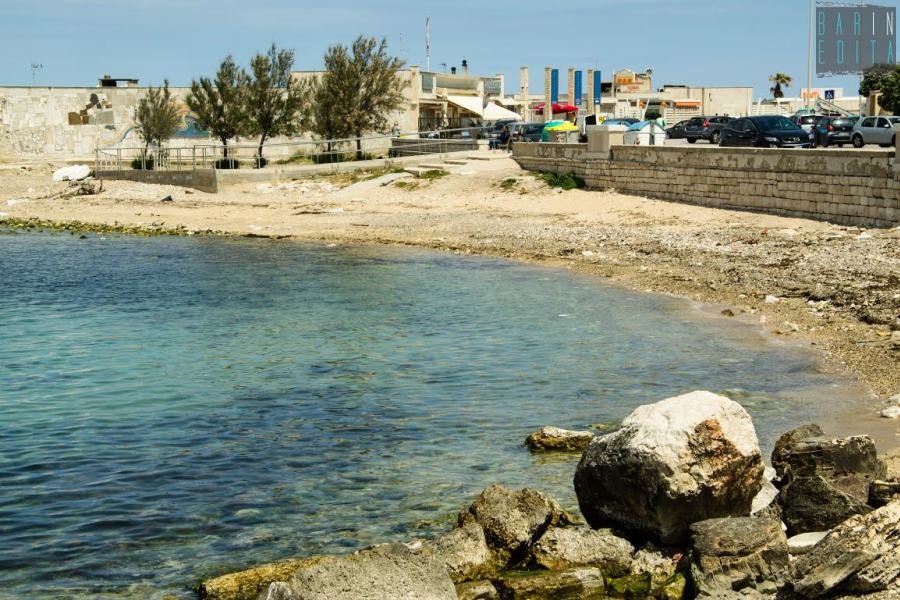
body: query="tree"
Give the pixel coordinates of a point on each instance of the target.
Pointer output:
(218, 104)
(358, 91)
(886, 80)
(272, 99)
(157, 116)
(780, 79)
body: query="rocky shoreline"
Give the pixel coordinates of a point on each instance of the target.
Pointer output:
(678, 504)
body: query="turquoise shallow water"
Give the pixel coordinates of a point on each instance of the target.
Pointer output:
(172, 408)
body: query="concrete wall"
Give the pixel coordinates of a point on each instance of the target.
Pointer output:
(199, 179)
(65, 122)
(418, 147)
(849, 188)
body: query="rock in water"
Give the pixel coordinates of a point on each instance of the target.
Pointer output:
(392, 572)
(862, 555)
(681, 460)
(560, 440)
(583, 583)
(247, 584)
(733, 555)
(512, 520)
(465, 553)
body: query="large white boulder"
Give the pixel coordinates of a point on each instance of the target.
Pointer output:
(73, 173)
(682, 460)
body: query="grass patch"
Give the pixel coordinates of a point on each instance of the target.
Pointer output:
(433, 174)
(406, 185)
(508, 184)
(566, 181)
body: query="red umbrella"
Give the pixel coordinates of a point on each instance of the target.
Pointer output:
(557, 108)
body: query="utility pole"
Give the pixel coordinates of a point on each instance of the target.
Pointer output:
(809, 54)
(35, 67)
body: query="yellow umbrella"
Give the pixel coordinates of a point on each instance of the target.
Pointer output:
(567, 126)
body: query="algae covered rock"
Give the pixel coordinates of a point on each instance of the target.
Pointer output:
(681, 460)
(572, 584)
(247, 584)
(549, 439)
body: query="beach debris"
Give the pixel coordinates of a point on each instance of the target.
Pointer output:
(698, 445)
(73, 173)
(556, 439)
(771, 299)
(727, 313)
(168, 199)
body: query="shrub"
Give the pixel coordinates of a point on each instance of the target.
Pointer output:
(566, 181)
(228, 163)
(142, 164)
(260, 162)
(508, 183)
(433, 174)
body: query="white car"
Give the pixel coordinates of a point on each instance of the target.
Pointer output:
(874, 130)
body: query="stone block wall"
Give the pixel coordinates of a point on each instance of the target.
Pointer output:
(844, 187)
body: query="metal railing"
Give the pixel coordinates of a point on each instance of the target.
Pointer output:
(301, 152)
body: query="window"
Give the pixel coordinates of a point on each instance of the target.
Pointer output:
(870, 122)
(747, 126)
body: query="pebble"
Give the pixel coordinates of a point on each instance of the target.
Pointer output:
(803, 543)
(891, 412)
(771, 299)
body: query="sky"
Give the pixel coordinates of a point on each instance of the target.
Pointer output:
(694, 42)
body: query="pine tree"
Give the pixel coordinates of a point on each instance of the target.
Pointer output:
(272, 99)
(219, 104)
(357, 92)
(157, 116)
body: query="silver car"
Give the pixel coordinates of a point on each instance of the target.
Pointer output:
(874, 130)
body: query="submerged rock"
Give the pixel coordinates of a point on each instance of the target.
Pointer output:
(565, 547)
(737, 555)
(681, 460)
(559, 440)
(862, 555)
(390, 572)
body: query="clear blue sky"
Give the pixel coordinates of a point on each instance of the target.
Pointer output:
(698, 42)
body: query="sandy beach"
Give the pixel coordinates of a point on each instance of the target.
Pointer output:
(812, 283)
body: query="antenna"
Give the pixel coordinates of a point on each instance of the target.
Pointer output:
(427, 44)
(35, 67)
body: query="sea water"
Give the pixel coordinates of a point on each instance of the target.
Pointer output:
(174, 408)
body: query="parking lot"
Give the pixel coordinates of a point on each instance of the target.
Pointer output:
(704, 144)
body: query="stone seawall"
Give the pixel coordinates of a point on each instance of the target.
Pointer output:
(845, 187)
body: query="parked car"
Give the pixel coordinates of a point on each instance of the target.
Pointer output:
(874, 130)
(807, 122)
(676, 131)
(831, 131)
(773, 131)
(583, 122)
(705, 128)
(526, 132)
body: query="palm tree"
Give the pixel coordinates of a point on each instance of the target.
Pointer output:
(780, 79)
